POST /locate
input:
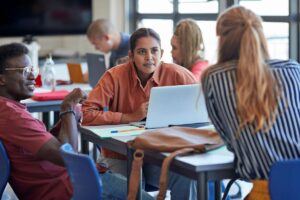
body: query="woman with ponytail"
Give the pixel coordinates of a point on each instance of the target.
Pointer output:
(252, 100)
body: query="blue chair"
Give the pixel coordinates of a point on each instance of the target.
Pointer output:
(284, 180)
(83, 174)
(4, 169)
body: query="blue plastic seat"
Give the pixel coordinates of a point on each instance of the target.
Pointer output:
(83, 174)
(285, 180)
(4, 169)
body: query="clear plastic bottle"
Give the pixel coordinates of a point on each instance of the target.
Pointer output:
(48, 74)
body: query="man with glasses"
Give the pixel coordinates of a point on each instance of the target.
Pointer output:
(37, 169)
(33, 152)
(26, 70)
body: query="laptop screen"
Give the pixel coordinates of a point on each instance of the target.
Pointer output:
(176, 105)
(96, 67)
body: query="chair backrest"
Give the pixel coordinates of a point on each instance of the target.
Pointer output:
(83, 174)
(4, 168)
(285, 180)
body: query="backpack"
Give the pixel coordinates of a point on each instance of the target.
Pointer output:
(176, 141)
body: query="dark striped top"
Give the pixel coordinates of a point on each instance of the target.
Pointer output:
(255, 153)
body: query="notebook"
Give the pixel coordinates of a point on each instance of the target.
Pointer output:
(96, 67)
(176, 105)
(47, 96)
(75, 72)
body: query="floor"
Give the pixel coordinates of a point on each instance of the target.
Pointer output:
(245, 189)
(8, 194)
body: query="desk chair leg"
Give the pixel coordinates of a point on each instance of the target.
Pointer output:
(84, 146)
(202, 184)
(56, 116)
(46, 119)
(218, 190)
(129, 165)
(95, 152)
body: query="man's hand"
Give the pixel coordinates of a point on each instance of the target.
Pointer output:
(71, 100)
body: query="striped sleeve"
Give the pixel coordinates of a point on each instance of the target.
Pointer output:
(255, 153)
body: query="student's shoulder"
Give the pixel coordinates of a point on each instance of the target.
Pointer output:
(281, 64)
(119, 69)
(116, 73)
(177, 73)
(12, 110)
(7, 104)
(222, 68)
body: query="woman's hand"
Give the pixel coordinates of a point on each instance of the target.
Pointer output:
(138, 115)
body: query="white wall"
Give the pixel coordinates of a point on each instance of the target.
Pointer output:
(110, 9)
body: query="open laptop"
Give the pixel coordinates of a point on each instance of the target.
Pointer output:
(176, 105)
(96, 67)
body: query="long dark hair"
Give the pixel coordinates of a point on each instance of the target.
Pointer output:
(143, 32)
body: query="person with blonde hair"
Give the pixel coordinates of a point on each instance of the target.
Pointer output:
(188, 47)
(252, 101)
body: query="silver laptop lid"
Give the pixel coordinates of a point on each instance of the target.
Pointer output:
(176, 105)
(96, 67)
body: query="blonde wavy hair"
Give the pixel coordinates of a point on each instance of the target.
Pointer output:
(241, 38)
(190, 41)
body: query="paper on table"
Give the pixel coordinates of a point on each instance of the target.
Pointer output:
(115, 131)
(208, 127)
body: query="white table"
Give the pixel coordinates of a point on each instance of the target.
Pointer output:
(47, 106)
(214, 165)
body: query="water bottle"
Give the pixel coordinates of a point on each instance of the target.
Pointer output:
(48, 75)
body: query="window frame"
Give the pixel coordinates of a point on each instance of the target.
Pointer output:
(293, 19)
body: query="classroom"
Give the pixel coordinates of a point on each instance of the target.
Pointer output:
(149, 99)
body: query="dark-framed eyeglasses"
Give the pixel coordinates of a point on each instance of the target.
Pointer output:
(26, 70)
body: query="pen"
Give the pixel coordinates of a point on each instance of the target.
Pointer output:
(128, 130)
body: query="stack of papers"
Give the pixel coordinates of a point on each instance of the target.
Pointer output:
(117, 131)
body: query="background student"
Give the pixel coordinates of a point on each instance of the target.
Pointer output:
(103, 35)
(188, 47)
(37, 168)
(125, 89)
(252, 101)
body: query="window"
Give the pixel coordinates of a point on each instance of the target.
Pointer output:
(196, 6)
(262, 7)
(208, 29)
(276, 24)
(146, 6)
(277, 35)
(165, 30)
(164, 17)
(281, 23)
